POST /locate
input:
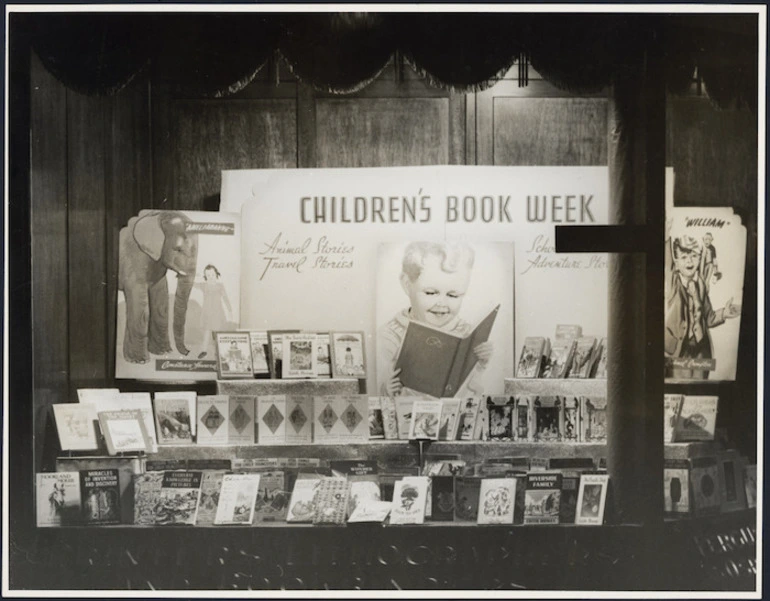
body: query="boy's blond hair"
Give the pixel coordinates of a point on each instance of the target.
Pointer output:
(453, 256)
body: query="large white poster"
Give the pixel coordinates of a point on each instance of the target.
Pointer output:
(312, 239)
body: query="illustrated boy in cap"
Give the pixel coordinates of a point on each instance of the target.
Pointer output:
(689, 313)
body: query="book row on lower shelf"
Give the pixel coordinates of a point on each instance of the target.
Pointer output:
(137, 422)
(252, 492)
(447, 488)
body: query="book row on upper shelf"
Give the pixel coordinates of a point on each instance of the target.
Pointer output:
(286, 354)
(447, 489)
(570, 355)
(137, 422)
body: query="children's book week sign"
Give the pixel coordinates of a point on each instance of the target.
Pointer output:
(369, 249)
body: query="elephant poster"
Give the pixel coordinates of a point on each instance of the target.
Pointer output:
(178, 283)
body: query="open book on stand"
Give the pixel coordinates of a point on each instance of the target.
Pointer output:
(436, 362)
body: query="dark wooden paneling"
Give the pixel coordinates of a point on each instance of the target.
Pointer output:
(549, 131)
(228, 134)
(714, 154)
(380, 132)
(87, 259)
(48, 191)
(128, 186)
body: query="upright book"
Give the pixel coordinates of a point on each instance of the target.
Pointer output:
(237, 497)
(299, 356)
(542, 498)
(271, 416)
(469, 412)
(179, 495)
(500, 412)
(409, 500)
(146, 497)
(591, 499)
(697, 419)
(426, 417)
(436, 362)
(124, 431)
(531, 358)
(704, 478)
(212, 419)
(467, 492)
(241, 424)
(560, 358)
(331, 501)
(76, 426)
(181, 428)
(211, 486)
(497, 498)
(580, 366)
(376, 423)
(58, 498)
(299, 419)
(672, 405)
(272, 498)
(676, 487)
(100, 496)
(450, 419)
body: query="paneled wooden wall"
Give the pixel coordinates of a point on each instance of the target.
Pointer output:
(96, 161)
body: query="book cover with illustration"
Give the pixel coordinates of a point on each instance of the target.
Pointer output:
(704, 478)
(124, 431)
(676, 486)
(179, 495)
(409, 500)
(731, 481)
(299, 356)
(58, 499)
(442, 498)
(376, 420)
(450, 418)
(497, 498)
(570, 429)
(237, 496)
(469, 413)
(353, 425)
(389, 418)
(211, 485)
(212, 419)
(467, 491)
(560, 358)
(404, 406)
(426, 418)
(272, 498)
(593, 419)
(143, 402)
(591, 500)
(76, 426)
(271, 417)
(370, 511)
(191, 261)
(323, 355)
(331, 501)
(299, 419)
(531, 358)
(242, 425)
(697, 418)
(500, 413)
(582, 358)
(100, 496)
(233, 354)
(542, 498)
(523, 422)
(146, 497)
(547, 419)
(302, 503)
(259, 354)
(672, 405)
(173, 420)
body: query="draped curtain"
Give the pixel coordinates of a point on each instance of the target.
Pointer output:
(216, 54)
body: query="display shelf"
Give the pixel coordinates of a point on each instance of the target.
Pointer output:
(383, 449)
(591, 387)
(309, 387)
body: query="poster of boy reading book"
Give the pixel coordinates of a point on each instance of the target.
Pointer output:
(437, 279)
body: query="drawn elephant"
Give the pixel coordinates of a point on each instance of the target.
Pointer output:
(150, 245)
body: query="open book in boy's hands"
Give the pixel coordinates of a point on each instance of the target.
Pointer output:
(436, 362)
